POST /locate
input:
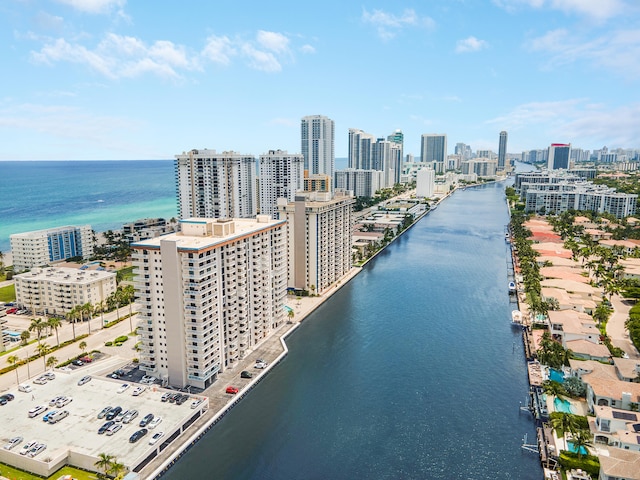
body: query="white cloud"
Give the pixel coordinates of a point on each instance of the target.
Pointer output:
(260, 60)
(576, 121)
(618, 50)
(307, 49)
(470, 44)
(95, 6)
(118, 56)
(219, 50)
(388, 24)
(274, 41)
(596, 9)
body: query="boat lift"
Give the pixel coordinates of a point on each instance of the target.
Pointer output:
(528, 447)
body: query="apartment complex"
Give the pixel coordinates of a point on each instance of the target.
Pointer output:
(209, 294)
(559, 156)
(433, 147)
(318, 239)
(216, 185)
(317, 135)
(502, 150)
(42, 247)
(363, 183)
(317, 182)
(56, 290)
(367, 152)
(425, 183)
(281, 176)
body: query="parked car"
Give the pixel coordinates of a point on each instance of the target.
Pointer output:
(113, 429)
(48, 415)
(3, 401)
(246, 374)
(154, 423)
(146, 419)
(8, 396)
(196, 402)
(138, 435)
(39, 448)
(40, 380)
(103, 412)
(105, 426)
(78, 363)
(12, 310)
(59, 416)
(13, 442)
(117, 374)
(181, 399)
(64, 401)
(49, 375)
(27, 446)
(54, 400)
(25, 387)
(173, 397)
(37, 410)
(121, 415)
(261, 365)
(232, 390)
(156, 436)
(165, 397)
(113, 413)
(86, 359)
(122, 388)
(84, 380)
(138, 390)
(131, 414)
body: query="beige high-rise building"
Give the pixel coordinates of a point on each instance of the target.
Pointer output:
(209, 295)
(319, 238)
(281, 176)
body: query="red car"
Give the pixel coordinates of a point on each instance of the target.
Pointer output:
(12, 310)
(232, 390)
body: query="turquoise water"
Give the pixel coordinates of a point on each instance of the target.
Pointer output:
(573, 449)
(562, 406)
(556, 375)
(103, 194)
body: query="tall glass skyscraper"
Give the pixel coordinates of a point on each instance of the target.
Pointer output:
(317, 145)
(433, 147)
(502, 150)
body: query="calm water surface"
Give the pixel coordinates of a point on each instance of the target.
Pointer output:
(411, 371)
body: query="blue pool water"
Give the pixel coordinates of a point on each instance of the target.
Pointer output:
(562, 406)
(556, 375)
(573, 449)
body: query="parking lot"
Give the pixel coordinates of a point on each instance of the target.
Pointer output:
(77, 434)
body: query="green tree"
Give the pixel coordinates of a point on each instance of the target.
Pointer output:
(563, 423)
(87, 309)
(13, 359)
(51, 362)
(72, 316)
(83, 346)
(553, 388)
(24, 337)
(117, 468)
(55, 323)
(290, 315)
(104, 463)
(38, 325)
(43, 349)
(581, 440)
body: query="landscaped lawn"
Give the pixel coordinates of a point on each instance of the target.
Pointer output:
(8, 293)
(127, 273)
(15, 474)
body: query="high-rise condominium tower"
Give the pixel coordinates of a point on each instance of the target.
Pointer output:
(317, 136)
(281, 176)
(502, 150)
(216, 185)
(559, 156)
(433, 147)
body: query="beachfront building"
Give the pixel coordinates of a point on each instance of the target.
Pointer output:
(363, 183)
(57, 290)
(209, 294)
(482, 167)
(216, 185)
(317, 134)
(43, 247)
(147, 228)
(281, 176)
(425, 183)
(319, 239)
(360, 144)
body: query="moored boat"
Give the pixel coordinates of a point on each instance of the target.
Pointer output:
(516, 317)
(512, 287)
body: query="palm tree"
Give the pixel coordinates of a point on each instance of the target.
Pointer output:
(564, 423)
(55, 323)
(291, 314)
(129, 296)
(104, 463)
(581, 440)
(51, 362)
(88, 309)
(38, 325)
(13, 359)
(72, 316)
(99, 307)
(43, 349)
(83, 346)
(117, 468)
(24, 336)
(553, 388)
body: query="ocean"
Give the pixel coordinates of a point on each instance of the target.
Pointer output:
(103, 194)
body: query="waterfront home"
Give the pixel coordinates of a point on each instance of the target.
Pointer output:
(568, 325)
(586, 350)
(597, 234)
(631, 267)
(543, 260)
(579, 289)
(616, 428)
(564, 273)
(604, 388)
(627, 369)
(619, 465)
(568, 301)
(552, 249)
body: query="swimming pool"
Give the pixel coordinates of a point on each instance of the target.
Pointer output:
(556, 375)
(573, 449)
(563, 406)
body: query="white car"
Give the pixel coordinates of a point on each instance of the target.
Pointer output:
(13, 442)
(40, 380)
(63, 401)
(196, 402)
(261, 365)
(55, 400)
(27, 446)
(123, 387)
(113, 429)
(37, 410)
(25, 387)
(84, 380)
(155, 422)
(40, 447)
(156, 437)
(138, 390)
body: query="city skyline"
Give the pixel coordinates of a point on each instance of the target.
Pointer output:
(111, 79)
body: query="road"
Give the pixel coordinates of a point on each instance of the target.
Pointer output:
(616, 329)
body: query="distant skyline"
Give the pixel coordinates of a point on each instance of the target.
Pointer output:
(114, 79)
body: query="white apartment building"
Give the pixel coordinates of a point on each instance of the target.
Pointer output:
(319, 237)
(317, 136)
(216, 185)
(43, 247)
(209, 295)
(281, 176)
(425, 183)
(363, 183)
(56, 290)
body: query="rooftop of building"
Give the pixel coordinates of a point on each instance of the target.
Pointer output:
(35, 233)
(65, 275)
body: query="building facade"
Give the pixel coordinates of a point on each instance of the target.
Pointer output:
(425, 183)
(281, 176)
(433, 148)
(43, 247)
(502, 151)
(363, 183)
(559, 156)
(360, 149)
(57, 290)
(209, 295)
(319, 237)
(216, 185)
(317, 134)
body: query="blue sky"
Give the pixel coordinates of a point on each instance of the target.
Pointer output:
(119, 79)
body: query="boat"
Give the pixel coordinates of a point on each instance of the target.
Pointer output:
(516, 317)
(512, 288)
